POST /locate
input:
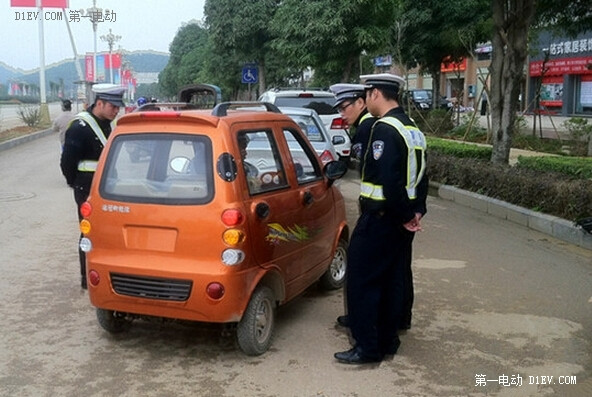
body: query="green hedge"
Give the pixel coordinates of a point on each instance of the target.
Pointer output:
(579, 167)
(554, 185)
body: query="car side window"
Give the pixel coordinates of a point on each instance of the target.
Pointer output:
(305, 161)
(261, 161)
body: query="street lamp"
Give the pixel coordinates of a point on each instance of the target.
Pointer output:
(111, 39)
(95, 16)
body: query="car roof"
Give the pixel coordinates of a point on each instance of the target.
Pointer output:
(296, 92)
(168, 112)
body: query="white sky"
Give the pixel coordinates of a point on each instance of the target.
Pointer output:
(142, 25)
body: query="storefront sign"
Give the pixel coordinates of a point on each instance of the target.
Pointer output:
(580, 65)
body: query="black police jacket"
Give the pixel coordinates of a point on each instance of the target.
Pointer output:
(82, 144)
(385, 164)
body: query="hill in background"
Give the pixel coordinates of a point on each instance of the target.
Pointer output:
(142, 62)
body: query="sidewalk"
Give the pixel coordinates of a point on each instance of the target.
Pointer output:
(550, 126)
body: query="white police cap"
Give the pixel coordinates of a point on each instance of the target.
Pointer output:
(384, 80)
(111, 93)
(344, 91)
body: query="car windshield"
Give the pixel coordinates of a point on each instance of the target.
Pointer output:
(322, 105)
(421, 95)
(173, 169)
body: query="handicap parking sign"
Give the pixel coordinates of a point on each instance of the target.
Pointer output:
(250, 74)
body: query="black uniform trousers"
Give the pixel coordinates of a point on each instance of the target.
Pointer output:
(376, 282)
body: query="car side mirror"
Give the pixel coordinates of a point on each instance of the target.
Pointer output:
(338, 140)
(334, 170)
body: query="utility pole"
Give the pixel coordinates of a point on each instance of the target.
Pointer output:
(111, 39)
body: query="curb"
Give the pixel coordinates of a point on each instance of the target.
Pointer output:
(25, 138)
(556, 227)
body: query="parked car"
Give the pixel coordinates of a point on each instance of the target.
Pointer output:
(227, 215)
(314, 129)
(422, 99)
(322, 102)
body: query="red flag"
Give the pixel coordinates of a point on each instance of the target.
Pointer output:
(44, 3)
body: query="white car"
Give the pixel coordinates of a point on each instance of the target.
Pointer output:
(322, 102)
(314, 129)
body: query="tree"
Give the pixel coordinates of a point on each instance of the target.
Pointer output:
(512, 20)
(187, 60)
(330, 35)
(432, 32)
(241, 28)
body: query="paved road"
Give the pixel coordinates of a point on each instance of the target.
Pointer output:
(9, 117)
(493, 299)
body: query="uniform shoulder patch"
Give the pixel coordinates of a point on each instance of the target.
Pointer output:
(377, 149)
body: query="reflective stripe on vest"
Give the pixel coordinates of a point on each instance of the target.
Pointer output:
(415, 141)
(367, 115)
(87, 165)
(90, 165)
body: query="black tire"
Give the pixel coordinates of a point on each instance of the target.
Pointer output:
(113, 322)
(334, 277)
(255, 329)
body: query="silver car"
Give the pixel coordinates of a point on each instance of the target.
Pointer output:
(313, 127)
(322, 102)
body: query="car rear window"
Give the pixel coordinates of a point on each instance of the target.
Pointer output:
(174, 169)
(322, 105)
(309, 127)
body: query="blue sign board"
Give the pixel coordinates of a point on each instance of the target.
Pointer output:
(250, 74)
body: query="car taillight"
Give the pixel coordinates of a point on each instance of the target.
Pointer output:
(326, 157)
(232, 217)
(305, 95)
(85, 209)
(338, 124)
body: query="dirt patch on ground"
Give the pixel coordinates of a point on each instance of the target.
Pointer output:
(17, 132)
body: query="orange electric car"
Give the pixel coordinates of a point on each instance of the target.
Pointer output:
(212, 216)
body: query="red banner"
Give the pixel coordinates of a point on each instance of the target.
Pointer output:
(44, 3)
(90, 68)
(581, 65)
(115, 58)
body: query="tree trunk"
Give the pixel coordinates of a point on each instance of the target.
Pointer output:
(262, 83)
(511, 20)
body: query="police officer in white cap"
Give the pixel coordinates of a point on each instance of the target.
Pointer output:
(85, 139)
(392, 202)
(351, 104)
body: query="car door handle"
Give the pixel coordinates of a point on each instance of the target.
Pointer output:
(307, 198)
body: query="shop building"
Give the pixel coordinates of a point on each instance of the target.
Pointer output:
(561, 70)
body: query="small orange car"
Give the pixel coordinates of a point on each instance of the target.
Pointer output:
(218, 216)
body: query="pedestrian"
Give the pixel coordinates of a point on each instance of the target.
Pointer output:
(350, 101)
(61, 123)
(85, 139)
(392, 202)
(351, 104)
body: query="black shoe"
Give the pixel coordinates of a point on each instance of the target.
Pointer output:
(343, 321)
(355, 356)
(83, 282)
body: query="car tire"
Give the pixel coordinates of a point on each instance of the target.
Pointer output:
(113, 322)
(255, 329)
(334, 277)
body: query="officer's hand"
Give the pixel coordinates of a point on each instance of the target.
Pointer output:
(413, 225)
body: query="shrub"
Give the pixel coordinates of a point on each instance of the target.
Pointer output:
(30, 115)
(459, 149)
(581, 133)
(548, 192)
(434, 122)
(578, 167)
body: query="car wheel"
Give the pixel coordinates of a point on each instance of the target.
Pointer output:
(255, 329)
(334, 277)
(113, 322)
